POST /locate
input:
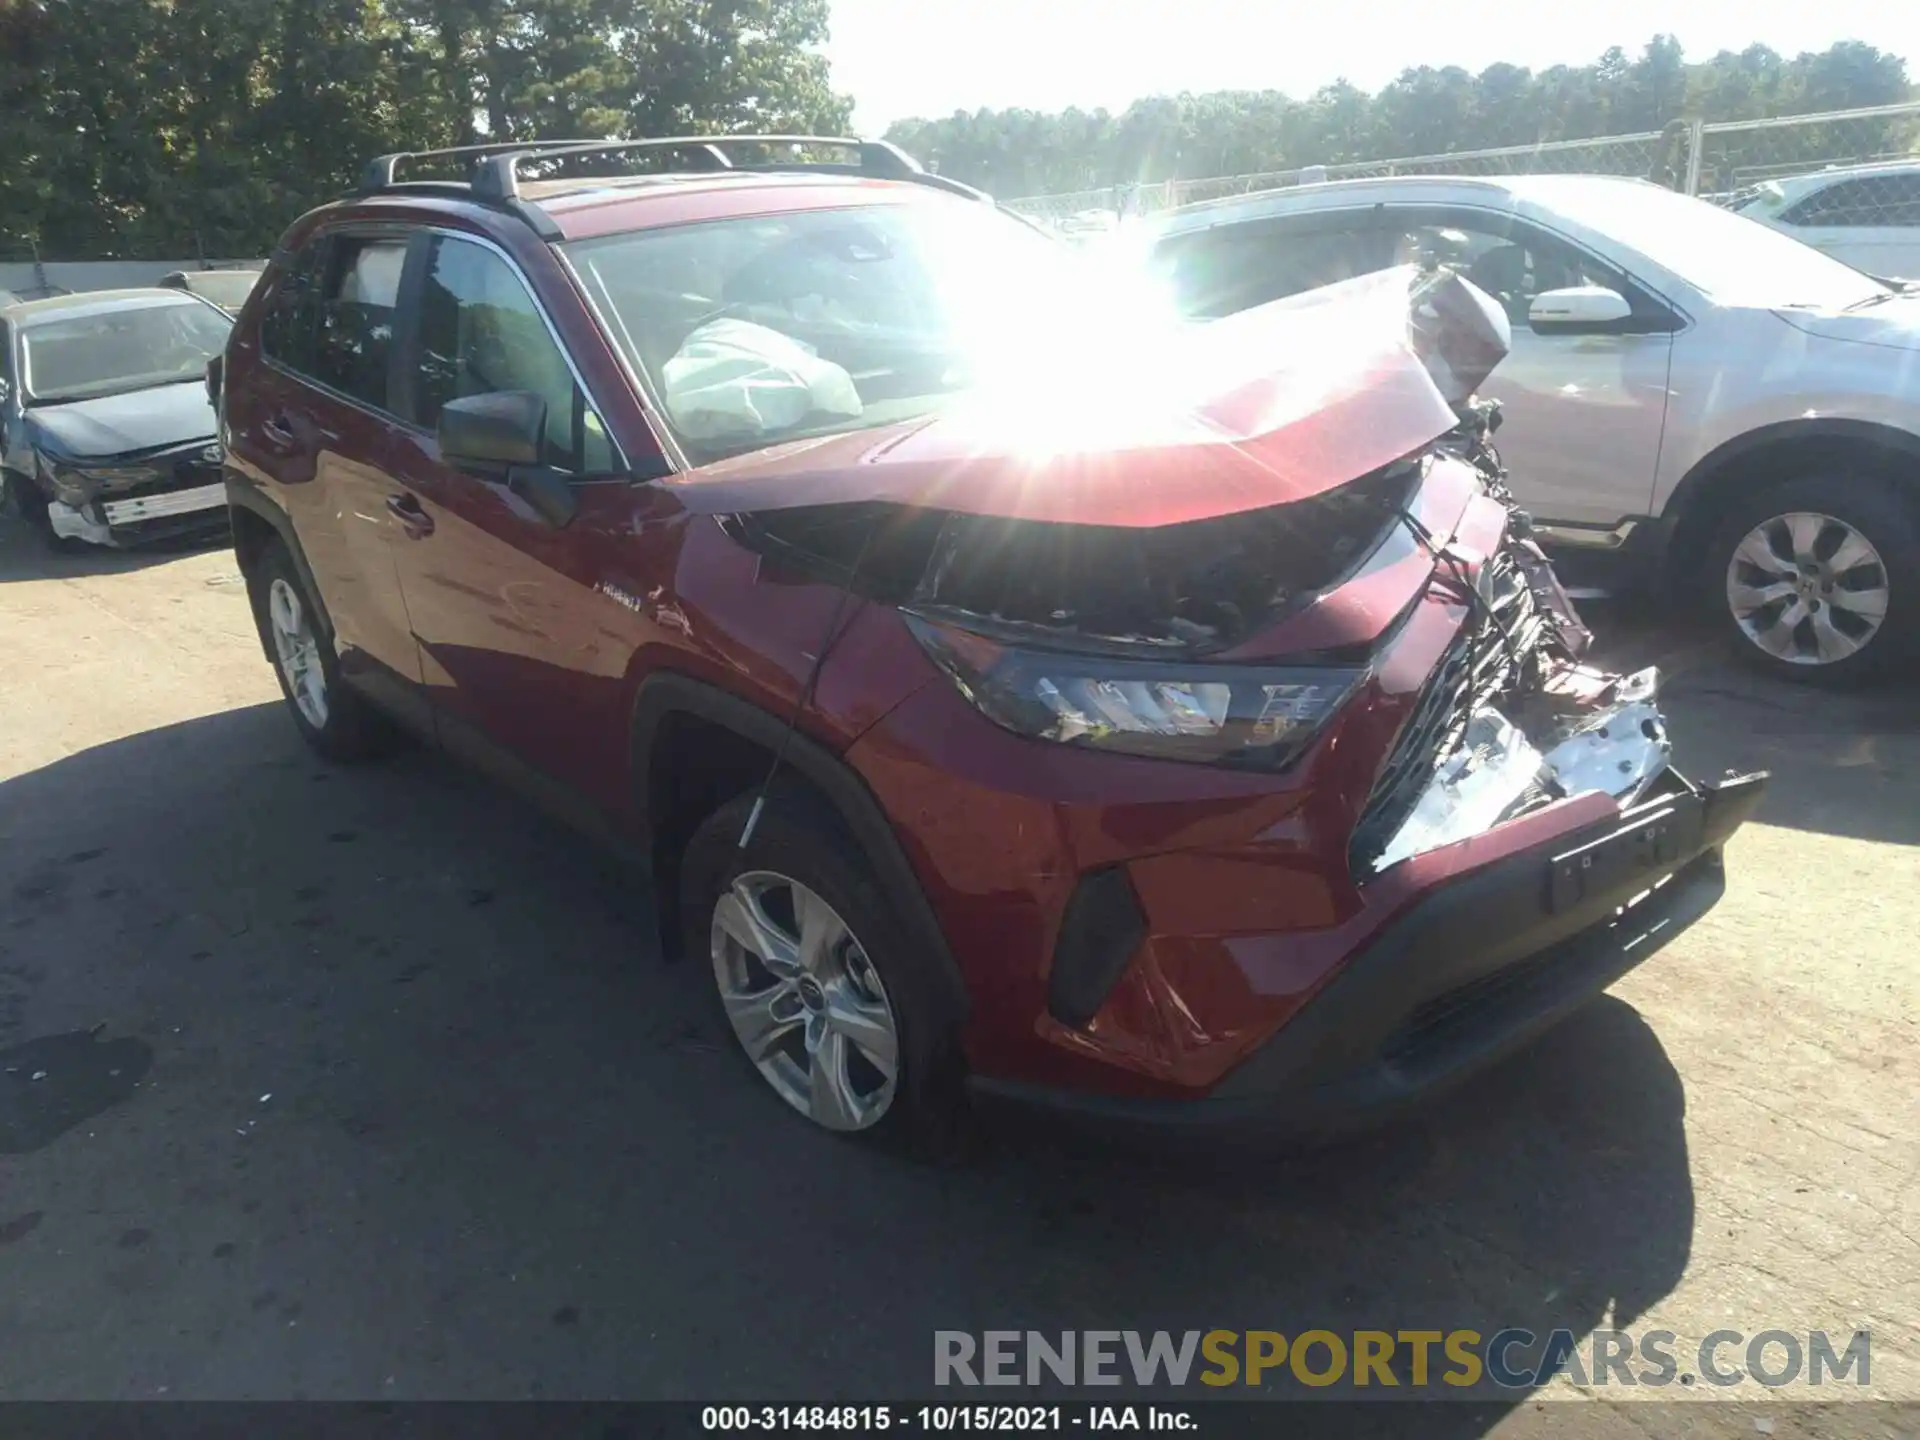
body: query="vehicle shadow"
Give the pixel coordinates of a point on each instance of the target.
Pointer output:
(25, 555)
(427, 1117)
(1843, 763)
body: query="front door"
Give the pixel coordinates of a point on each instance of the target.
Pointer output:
(520, 653)
(1583, 412)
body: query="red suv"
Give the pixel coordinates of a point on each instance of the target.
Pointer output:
(1015, 694)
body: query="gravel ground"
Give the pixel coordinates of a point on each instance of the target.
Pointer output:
(390, 1098)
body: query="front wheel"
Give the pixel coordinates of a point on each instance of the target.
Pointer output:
(828, 1000)
(1818, 581)
(23, 497)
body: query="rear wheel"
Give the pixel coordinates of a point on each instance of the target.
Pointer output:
(1818, 581)
(334, 720)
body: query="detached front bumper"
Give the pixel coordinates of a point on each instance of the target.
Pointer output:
(142, 519)
(1471, 971)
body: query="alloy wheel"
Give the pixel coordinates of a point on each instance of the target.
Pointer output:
(805, 1001)
(298, 650)
(1807, 588)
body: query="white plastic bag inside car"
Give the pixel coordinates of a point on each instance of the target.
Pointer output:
(732, 378)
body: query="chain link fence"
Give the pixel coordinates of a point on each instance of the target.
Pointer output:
(1728, 162)
(1740, 160)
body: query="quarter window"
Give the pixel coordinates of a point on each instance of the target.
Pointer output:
(480, 331)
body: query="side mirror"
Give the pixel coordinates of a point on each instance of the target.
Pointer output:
(495, 431)
(1580, 307)
(504, 432)
(216, 372)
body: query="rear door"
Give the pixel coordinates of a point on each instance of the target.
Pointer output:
(315, 426)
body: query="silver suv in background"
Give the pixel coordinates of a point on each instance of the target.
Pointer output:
(1867, 216)
(1690, 396)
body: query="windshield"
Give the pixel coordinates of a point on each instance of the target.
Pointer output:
(1728, 257)
(228, 289)
(82, 357)
(762, 329)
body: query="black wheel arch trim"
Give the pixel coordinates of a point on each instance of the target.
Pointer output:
(243, 494)
(667, 694)
(1708, 468)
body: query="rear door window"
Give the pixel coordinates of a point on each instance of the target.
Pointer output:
(353, 339)
(1230, 268)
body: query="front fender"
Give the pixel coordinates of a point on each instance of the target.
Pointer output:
(1759, 381)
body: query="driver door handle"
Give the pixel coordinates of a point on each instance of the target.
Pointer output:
(412, 517)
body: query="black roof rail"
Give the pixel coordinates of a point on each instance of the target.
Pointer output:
(497, 176)
(382, 172)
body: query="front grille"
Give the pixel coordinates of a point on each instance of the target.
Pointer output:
(1479, 665)
(168, 474)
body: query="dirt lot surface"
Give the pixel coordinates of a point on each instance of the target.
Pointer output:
(391, 1098)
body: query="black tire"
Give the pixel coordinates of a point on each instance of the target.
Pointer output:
(1880, 514)
(799, 837)
(353, 729)
(26, 501)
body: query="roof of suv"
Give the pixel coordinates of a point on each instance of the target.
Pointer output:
(582, 208)
(730, 175)
(1796, 185)
(1480, 188)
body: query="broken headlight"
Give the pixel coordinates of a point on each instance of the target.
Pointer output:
(1254, 716)
(77, 483)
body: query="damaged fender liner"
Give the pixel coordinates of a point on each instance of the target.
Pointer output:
(1472, 971)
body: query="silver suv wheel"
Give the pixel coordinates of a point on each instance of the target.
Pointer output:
(806, 1003)
(298, 651)
(1807, 588)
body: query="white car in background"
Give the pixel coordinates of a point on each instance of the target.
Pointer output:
(1690, 396)
(1867, 216)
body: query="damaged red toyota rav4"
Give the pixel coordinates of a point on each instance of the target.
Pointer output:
(1017, 697)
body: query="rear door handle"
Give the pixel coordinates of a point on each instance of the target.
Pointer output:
(412, 517)
(279, 432)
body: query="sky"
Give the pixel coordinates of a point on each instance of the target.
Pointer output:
(929, 58)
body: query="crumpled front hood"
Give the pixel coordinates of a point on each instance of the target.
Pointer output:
(1894, 324)
(115, 426)
(1276, 404)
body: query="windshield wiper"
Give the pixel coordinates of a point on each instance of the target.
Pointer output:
(1872, 300)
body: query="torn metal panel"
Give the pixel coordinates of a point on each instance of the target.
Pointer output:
(70, 523)
(1498, 771)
